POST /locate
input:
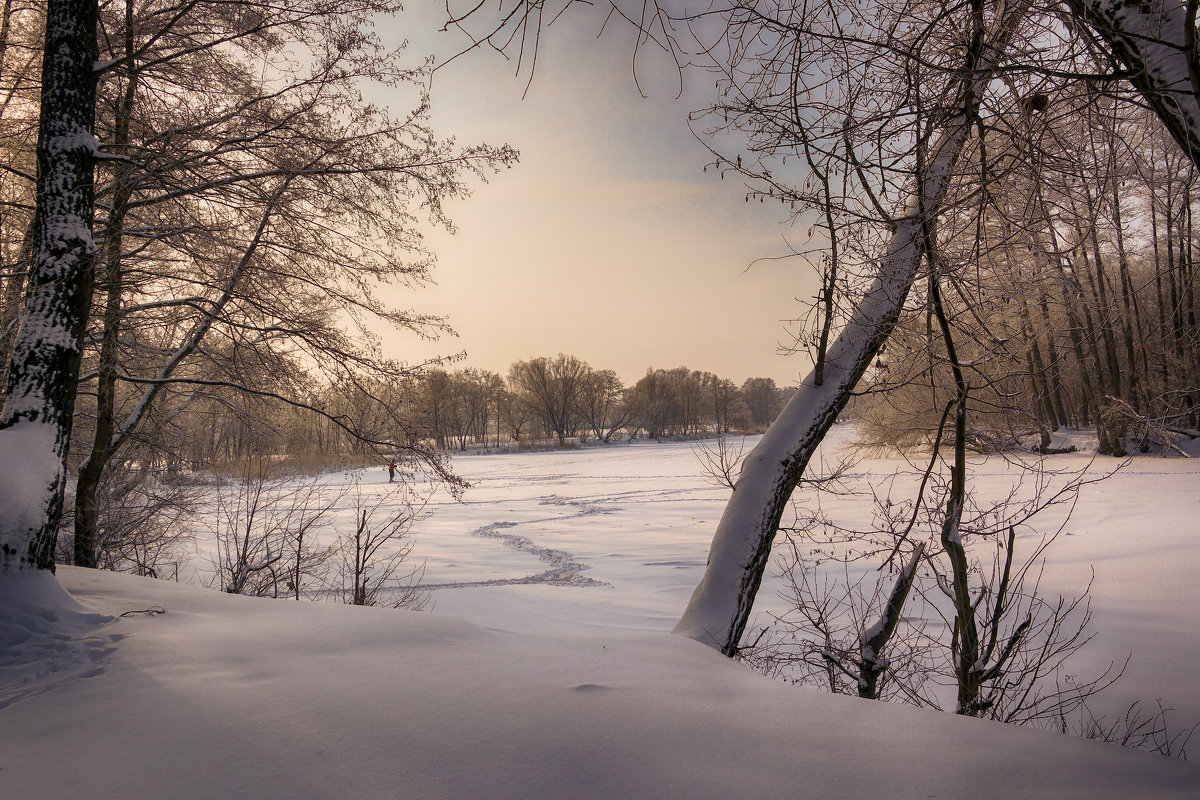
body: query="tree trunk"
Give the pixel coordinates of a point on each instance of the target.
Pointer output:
(720, 605)
(92, 469)
(1043, 405)
(872, 664)
(35, 425)
(1132, 327)
(14, 284)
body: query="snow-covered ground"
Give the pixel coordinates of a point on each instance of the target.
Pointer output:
(635, 519)
(639, 519)
(545, 669)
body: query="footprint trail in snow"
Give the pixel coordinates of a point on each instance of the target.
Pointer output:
(564, 569)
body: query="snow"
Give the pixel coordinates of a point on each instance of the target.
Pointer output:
(45, 637)
(637, 518)
(224, 696)
(549, 685)
(28, 465)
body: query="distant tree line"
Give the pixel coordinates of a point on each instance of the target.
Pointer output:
(553, 399)
(563, 397)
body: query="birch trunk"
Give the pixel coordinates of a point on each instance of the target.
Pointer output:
(35, 425)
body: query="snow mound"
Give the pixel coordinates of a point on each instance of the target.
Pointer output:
(226, 696)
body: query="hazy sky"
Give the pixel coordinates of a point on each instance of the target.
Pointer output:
(607, 241)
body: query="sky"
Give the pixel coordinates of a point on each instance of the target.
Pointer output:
(608, 240)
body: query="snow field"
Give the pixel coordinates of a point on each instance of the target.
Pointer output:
(615, 539)
(544, 669)
(641, 518)
(229, 696)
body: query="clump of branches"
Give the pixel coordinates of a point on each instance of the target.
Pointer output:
(824, 637)
(1137, 727)
(1147, 431)
(144, 522)
(373, 564)
(265, 530)
(986, 641)
(897, 614)
(720, 463)
(279, 535)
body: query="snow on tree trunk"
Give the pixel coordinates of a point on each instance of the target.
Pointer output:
(35, 424)
(872, 663)
(720, 605)
(1156, 40)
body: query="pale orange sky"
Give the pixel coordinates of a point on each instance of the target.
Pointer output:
(608, 240)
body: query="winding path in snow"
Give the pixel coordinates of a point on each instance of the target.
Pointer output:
(564, 569)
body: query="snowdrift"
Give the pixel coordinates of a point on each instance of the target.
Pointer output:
(233, 697)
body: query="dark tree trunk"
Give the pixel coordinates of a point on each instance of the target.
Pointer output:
(1132, 328)
(14, 285)
(92, 469)
(1043, 405)
(44, 366)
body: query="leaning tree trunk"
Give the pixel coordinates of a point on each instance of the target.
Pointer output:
(720, 605)
(35, 424)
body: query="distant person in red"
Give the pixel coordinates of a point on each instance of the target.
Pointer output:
(392, 471)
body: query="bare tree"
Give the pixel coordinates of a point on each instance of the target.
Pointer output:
(719, 607)
(146, 523)
(551, 389)
(266, 532)
(515, 416)
(21, 29)
(761, 398)
(721, 463)
(246, 226)
(602, 404)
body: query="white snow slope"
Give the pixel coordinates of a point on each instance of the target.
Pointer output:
(225, 696)
(233, 697)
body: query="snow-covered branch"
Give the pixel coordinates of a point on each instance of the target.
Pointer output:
(1156, 41)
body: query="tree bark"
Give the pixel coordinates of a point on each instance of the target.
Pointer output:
(87, 484)
(44, 366)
